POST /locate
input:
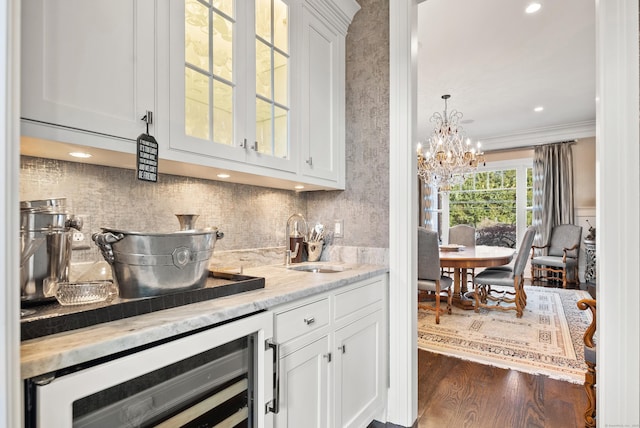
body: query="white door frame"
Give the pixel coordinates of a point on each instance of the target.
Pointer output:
(617, 208)
(403, 209)
(11, 405)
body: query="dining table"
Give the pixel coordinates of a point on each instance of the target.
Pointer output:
(461, 258)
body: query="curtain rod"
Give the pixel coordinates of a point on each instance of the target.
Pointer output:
(530, 147)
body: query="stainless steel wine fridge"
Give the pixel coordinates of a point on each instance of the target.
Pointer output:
(220, 377)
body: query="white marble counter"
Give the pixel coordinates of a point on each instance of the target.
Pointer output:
(54, 352)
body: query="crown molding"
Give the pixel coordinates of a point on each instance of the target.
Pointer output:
(532, 137)
(339, 12)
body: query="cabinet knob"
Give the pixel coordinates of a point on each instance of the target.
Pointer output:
(309, 320)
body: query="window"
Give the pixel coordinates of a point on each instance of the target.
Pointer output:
(487, 201)
(496, 200)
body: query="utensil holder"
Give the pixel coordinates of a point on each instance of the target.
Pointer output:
(314, 250)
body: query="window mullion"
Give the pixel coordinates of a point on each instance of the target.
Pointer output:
(521, 202)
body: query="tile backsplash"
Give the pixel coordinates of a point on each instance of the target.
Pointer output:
(249, 216)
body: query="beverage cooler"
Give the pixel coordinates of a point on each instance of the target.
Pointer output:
(221, 376)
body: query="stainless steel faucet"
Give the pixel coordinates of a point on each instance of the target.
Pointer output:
(289, 254)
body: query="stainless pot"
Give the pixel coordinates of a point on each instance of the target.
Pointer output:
(45, 247)
(150, 264)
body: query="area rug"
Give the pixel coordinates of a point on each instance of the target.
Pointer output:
(547, 339)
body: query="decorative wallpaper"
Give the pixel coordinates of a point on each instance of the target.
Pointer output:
(364, 204)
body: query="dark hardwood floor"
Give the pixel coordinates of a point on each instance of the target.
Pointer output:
(455, 393)
(458, 393)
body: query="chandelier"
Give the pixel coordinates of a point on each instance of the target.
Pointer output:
(447, 157)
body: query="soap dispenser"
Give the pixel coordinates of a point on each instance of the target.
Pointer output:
(296, 244)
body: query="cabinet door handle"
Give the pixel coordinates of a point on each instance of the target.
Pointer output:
(309, 320)
(148, 117)
(327, 356)
(243, 144)
(274, 405)
(255, 146)
(309, 161)
(342, 348)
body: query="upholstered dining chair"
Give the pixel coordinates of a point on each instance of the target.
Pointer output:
(463, 234)
(430, 279)
(561, 257)
(516, 299)
(590, 359)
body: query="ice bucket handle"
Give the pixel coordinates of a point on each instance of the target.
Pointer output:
(104, 240)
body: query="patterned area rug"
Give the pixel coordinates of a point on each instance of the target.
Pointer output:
(547, 339)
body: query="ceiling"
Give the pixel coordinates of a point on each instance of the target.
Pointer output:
(499, 63)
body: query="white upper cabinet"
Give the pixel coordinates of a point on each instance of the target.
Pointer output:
(88, 66)
(253, 87)
(322, 100)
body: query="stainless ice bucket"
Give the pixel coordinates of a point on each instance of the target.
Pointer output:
(151, 264)
(45, 247)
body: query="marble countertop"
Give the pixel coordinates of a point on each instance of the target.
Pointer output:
(54, 352)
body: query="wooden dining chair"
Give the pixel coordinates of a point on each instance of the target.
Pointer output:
(561, 256)
(463, 234)
(430, 280)
(590, 359)
(517, 299)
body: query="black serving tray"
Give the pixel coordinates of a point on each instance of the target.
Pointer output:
(55, 318)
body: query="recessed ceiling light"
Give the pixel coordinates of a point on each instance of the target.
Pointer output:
(299, 187)
(222, 175)
(533, 7)
(538, 109)
(82, 155)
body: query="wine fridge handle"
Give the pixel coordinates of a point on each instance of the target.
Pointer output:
(273, 406)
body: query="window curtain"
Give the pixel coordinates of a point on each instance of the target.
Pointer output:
(428, 206)
(424, 204)
(552, 188)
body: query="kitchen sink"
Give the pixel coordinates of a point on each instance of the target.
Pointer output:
(318, 268)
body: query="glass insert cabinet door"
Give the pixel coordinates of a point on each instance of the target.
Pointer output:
(272, 77)
(236, 76)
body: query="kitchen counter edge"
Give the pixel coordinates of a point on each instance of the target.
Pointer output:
(50, 353)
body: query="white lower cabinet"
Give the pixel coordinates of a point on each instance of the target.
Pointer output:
(332, 358)
(358, 371)
(304, 386)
